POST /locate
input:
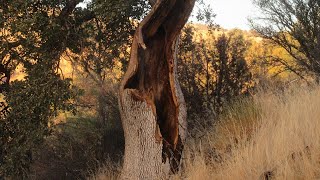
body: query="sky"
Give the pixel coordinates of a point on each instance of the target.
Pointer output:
(232, 13)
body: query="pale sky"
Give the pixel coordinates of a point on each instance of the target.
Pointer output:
(232, 13)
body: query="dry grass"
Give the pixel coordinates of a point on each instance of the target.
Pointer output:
(109, 171)
(281, 142)
(272, 136)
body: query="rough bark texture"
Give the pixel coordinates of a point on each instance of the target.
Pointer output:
(152, 107)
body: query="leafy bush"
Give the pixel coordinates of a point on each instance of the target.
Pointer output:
(32, 104)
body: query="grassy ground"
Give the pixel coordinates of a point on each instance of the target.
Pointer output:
(274, 135)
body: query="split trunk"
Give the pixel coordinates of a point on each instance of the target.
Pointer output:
(152, 106)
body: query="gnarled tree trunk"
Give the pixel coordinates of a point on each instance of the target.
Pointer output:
(152, 107)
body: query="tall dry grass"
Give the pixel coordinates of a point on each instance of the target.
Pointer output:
(275, 137)
(271, 136)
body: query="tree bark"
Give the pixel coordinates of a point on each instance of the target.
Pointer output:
(152, 106)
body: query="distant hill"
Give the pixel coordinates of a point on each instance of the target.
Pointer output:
(202, 29)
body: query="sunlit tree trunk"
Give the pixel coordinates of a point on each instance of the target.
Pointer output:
(152, 106)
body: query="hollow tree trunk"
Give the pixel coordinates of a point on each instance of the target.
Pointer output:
(152, 107)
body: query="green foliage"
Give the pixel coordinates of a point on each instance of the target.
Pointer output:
(105, 39)
(33, 103)
(34, 36)
(205, 14)
(104, 46)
